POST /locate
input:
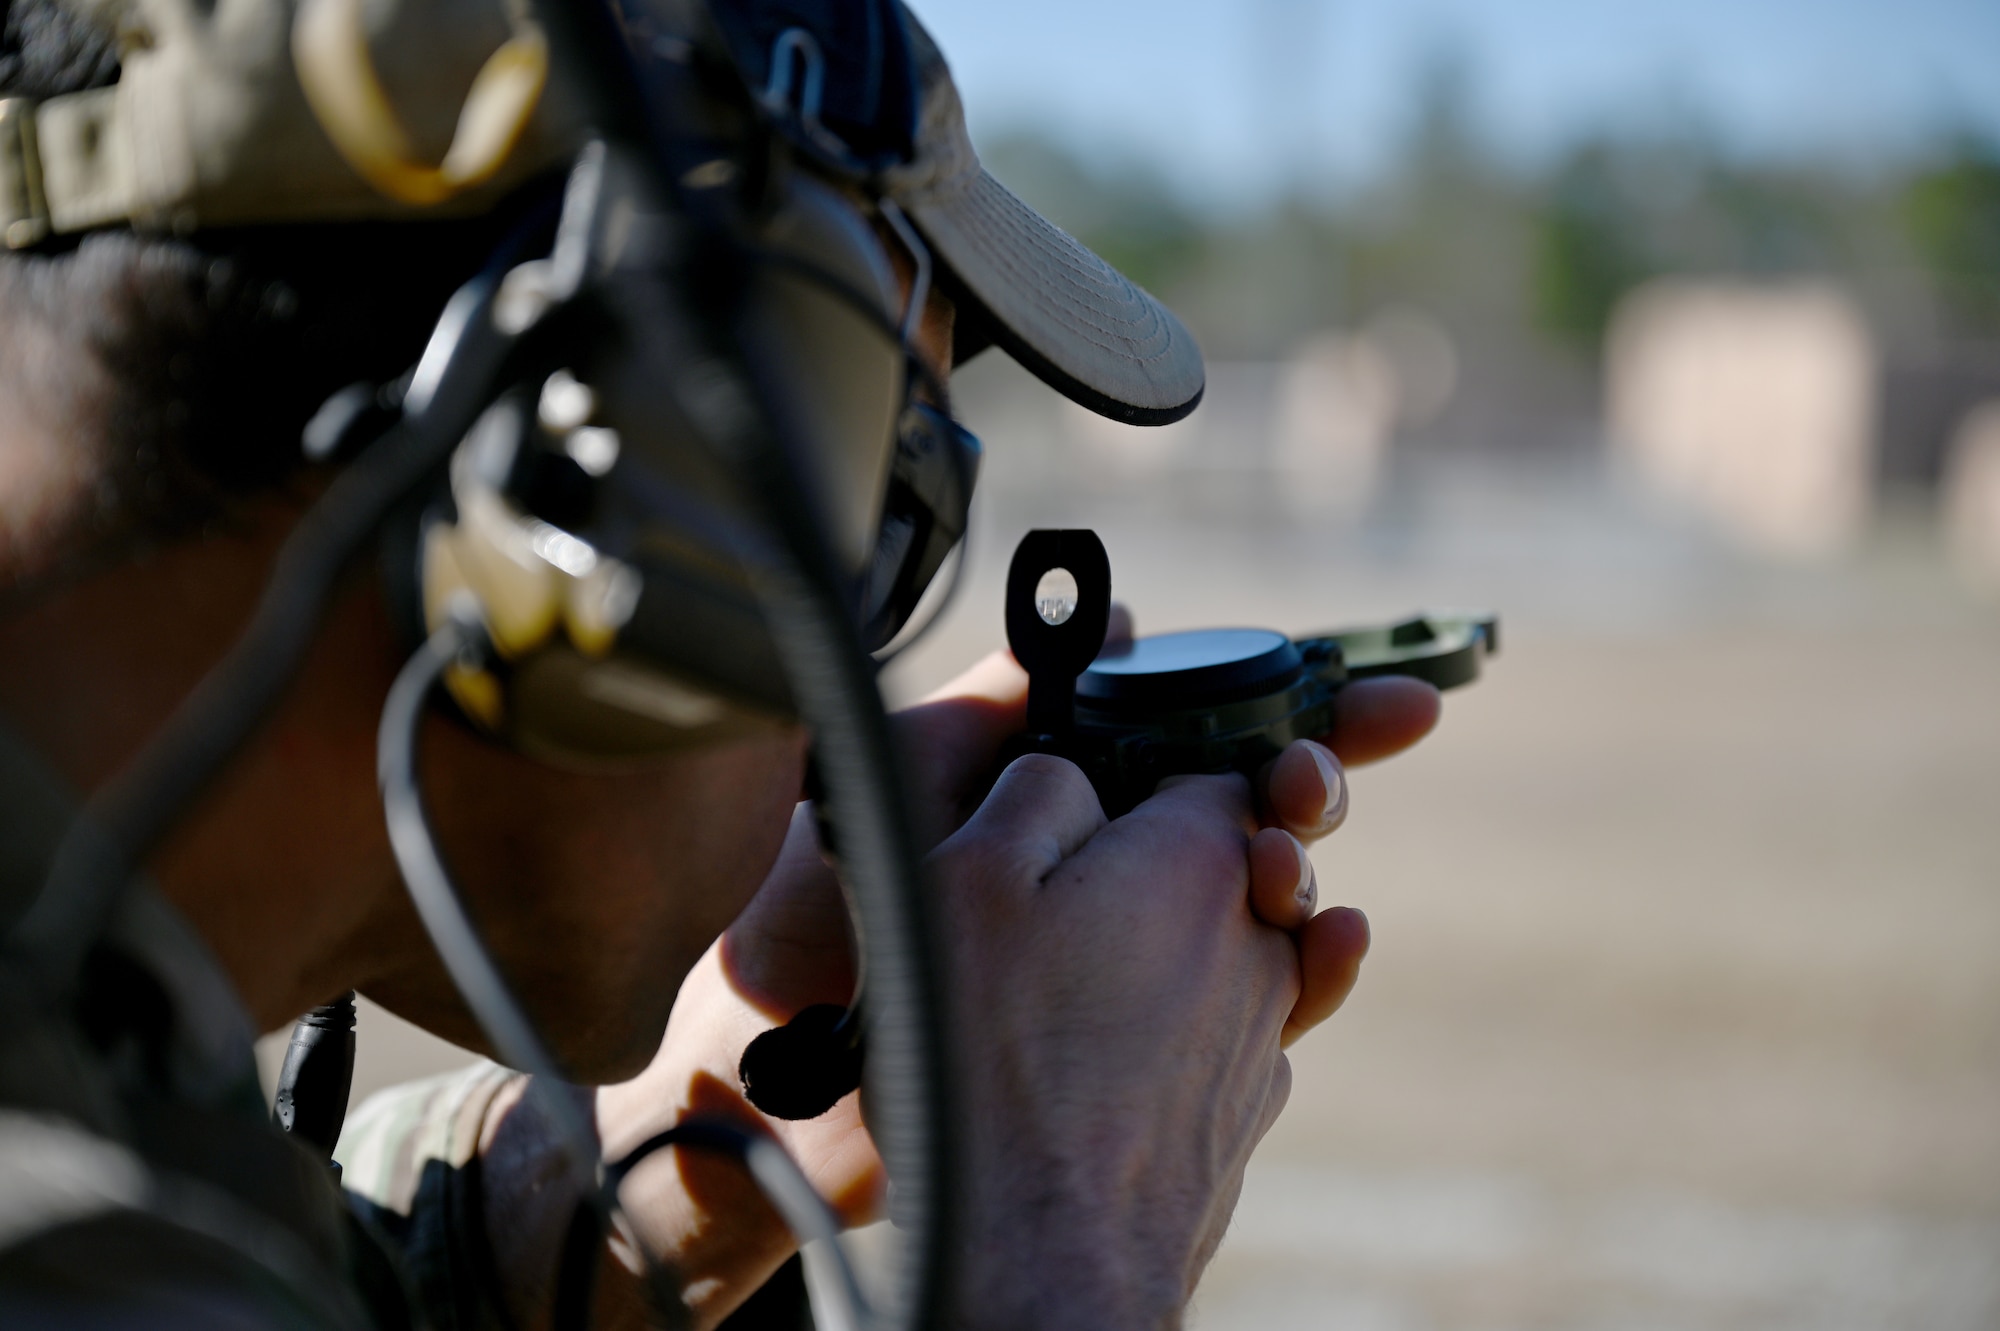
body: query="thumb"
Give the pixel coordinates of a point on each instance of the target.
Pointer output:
(790, 948)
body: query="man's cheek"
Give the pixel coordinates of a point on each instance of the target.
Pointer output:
(602, 893)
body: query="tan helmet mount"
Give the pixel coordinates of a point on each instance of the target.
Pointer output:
(244, 112)
(330, 52)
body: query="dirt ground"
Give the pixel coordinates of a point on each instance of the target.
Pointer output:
(1683, 1008)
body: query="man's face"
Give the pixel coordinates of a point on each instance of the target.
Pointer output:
(596, 893)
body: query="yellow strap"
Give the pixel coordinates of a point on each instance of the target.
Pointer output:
(330, 51)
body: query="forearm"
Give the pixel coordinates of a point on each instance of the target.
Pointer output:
(1058, 1288)
(702, 1213)
(700, 1217)
(1063, 1236)
(1056, 1249)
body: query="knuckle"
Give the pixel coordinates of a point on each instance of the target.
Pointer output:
(1224, 793)
(1281, 1087)
(1223, 860)
(1217, 857)
(1223, 785)
(1059, 777)
(975, 878)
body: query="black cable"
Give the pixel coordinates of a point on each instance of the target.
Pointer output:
(689, 334)
(715, 384)
(706, 361)
(783, 1184)
(317, 1075)
(833, 681)
(431, 890)
(479, 982)
(457, 941)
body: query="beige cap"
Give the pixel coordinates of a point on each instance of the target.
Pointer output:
(1064, 313)
(227, 113)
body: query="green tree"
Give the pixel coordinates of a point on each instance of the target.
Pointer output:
(1125, 212)
(1588, 250)
(1952, 213)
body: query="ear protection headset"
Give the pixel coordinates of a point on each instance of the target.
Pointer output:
(606, 552)
(707, 486)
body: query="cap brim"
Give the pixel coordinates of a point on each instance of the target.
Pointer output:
(1066, 315)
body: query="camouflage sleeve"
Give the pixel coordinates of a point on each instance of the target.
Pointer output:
(409, 1158)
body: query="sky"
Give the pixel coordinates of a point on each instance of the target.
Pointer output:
(1238, 98)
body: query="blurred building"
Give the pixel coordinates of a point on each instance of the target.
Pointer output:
(1971, 495)
(1755, 404)
(1336, 407)
(1314, 430)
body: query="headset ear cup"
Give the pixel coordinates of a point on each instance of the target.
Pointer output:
(844, 366)
(689, 661)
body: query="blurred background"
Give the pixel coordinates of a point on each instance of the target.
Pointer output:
(1671, 330)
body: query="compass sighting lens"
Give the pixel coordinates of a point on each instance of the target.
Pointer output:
(1055, 596)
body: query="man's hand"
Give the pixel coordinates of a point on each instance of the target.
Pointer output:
(953, 738)
(1119, 1010)
(790, 949)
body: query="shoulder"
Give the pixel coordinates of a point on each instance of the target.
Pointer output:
(91, 1237)
(397, 1136)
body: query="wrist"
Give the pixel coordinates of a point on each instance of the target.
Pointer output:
(1035, 1296)
(1057, 1276)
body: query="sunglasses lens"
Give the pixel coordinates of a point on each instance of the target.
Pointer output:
(923, 517)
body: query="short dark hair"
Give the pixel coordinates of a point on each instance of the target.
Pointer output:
(216, 347)
(46, 50)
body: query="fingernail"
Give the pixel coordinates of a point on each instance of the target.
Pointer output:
(1308, 887)
(1331, 781)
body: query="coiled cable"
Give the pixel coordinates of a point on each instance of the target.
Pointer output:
(461, 640)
